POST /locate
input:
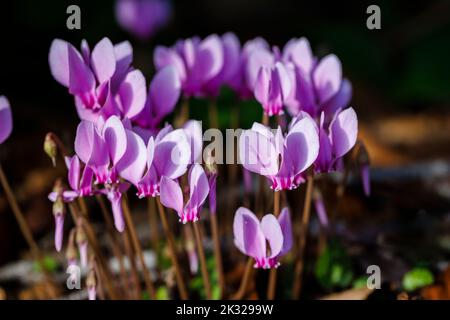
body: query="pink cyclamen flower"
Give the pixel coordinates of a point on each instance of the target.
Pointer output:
(282, 159)
(162, 97)
(168, 154)
(272, 87)
(336, 139)
(5, 119)
(143, 18)
(197, 62)
(317, 85)
(251, 236)
(102, 81)
(242, 82)
(112, 152)
(172, 196)
(231, 65)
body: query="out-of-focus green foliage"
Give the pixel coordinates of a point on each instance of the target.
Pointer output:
(50, 264)
(417, 278)
(333, 268)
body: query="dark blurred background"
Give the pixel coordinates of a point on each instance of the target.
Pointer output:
(399, 72)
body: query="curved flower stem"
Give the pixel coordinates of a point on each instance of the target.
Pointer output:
(116, 249)
(103, 266)
(213, 114)
(131, 258)
(138, 248)
(203, 265)
(244, 282)
(173, 254)
(183, 115)
(298, 273)
(273, 272)
(217, 253)
(24, 228)
(153, 222)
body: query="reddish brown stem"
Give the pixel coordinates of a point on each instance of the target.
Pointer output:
(299, 267)
(202, 258)
(173, 253)
(138, 248)
(273, 272)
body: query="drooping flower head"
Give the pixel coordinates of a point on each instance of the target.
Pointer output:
(171, 194)
(143, 18)
(266, 240)
(282, 159)
(5, 119)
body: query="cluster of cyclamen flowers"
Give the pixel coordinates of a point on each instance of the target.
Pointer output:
(121, 142)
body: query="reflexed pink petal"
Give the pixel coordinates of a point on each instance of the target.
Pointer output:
(286, 228)
(340, 100)
(302, 144)
(299, 52)
(165, 90)
(165, 57)
(123, 53)
(85, 51)
(172, 154)
(132, 165)
(115, 138)
(282, 80)
(327, 77)
(132, 94)
(193, 130)
(231, 51)
(198, 186)
(324, 160)
(209, 59)
(263, 85)
(248, 236)
(171, 195)
(344, 131)
(84, 140)
(81, 79)
(74, 173)
(5, 119)
(58, 59)
(103, 60)
(257, 153)
(272, 232)
(256, 60)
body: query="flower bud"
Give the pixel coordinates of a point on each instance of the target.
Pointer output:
(51, 148)
(210, 164)
(82, 244)
(71, 251)
(91, 284)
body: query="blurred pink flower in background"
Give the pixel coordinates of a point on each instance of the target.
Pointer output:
(143, 18)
